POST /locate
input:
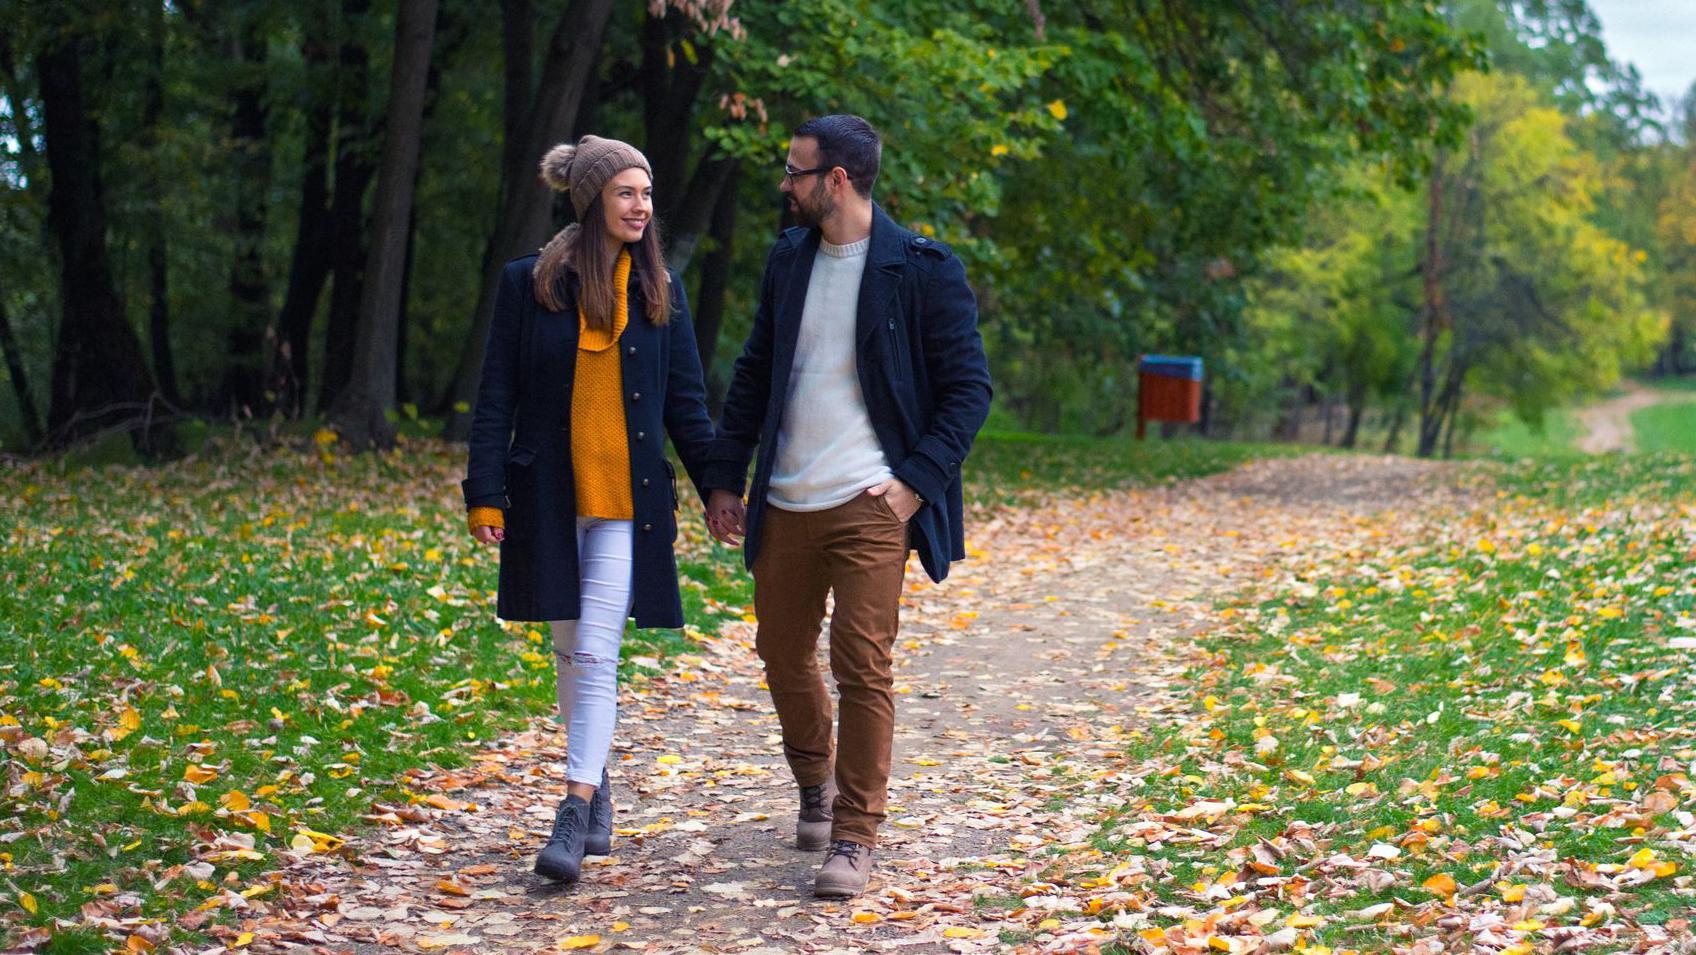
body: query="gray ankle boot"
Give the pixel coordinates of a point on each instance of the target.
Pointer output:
(812, 826)
(598, 840)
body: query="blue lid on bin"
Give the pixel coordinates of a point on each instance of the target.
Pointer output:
(1172, 366)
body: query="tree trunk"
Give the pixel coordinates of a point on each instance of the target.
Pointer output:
(1357, 411)
(674, 67)
(252, 333)
(353, 172)
(20, 380)
(1397, 419)
(362, 412)
(99, 378)
(309, 266)
(525, 215)
(159, 306)
(715, 279)
(1435, 314)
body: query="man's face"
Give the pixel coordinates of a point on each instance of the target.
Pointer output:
(808, 195)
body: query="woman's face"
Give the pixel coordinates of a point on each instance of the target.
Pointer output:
(628, 203)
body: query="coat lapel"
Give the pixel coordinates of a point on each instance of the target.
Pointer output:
(882, 276)
(789, 308)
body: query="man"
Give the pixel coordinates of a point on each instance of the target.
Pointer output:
(862, 384)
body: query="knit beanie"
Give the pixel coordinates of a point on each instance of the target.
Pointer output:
(583, 169)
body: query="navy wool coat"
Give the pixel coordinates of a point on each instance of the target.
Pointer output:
(921, 366)
(520, 449)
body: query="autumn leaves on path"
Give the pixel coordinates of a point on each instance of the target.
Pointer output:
(1021, 681)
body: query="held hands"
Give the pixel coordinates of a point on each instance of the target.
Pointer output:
(725, 516)
(903, 500)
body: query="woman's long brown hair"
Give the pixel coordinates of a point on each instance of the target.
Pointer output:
(582, 248)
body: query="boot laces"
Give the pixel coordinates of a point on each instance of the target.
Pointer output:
(812, 798)
(844, 847)
(566, 822)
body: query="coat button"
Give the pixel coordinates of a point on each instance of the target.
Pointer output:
(636, 396)
(644, 482)
(631, 350)
(641, 434)
(647, 527)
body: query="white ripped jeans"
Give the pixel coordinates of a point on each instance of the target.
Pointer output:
(586, 649)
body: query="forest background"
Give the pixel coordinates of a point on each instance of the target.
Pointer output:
(1377, 221)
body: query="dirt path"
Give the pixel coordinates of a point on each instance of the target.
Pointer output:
(1608, 424)
(1017, 678)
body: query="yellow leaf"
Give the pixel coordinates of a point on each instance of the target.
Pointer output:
(1304, 921)
(866, 918)
(1529, 925)
(621, 926)
(998, 150)
(959, 932)
(28, 902)
(1223, 945)
(443, 802)
(1641, 858)
(198, 774)
(669, 760)
(1057, 109)
(579, 941)
(1441, 884)
(1664, 869)
(451, 887)
(136, 943)
(235, 801)
(128, 722)
(243, 940)
(1571, 726)
(1512, 893)
(1048, 925)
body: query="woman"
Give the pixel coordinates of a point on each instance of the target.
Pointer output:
(590, 357)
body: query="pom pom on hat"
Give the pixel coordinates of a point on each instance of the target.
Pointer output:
(556, 167)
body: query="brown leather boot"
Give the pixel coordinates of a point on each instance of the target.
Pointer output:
(846, 870)
(812, 826)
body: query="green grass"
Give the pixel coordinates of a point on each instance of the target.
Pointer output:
(1510, 437)
(1506, 672)
(261, 643)
(277, 630)
(1668, 426)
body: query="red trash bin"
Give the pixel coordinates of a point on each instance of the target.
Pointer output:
(1168, 389)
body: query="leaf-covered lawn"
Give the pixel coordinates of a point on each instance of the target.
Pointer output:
(206, 664)
(1478, 731)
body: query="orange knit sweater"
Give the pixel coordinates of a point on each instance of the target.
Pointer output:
(600, 450)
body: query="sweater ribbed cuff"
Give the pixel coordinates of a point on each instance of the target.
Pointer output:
(486, 517)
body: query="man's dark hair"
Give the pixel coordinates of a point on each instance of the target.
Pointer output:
(846, 141)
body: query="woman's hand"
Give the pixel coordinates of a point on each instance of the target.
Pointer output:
(488, 535)
(725, 517)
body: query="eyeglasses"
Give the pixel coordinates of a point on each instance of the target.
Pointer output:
(791, 173)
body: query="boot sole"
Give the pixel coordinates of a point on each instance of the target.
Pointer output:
(563, 875)
(824, 890)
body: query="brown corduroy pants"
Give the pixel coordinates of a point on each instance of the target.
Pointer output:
(859, 551)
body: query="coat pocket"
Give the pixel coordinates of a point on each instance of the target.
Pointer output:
(899, 361)
(671, 472)
(520, 492)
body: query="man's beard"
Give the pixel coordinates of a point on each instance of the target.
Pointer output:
(812, 213)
